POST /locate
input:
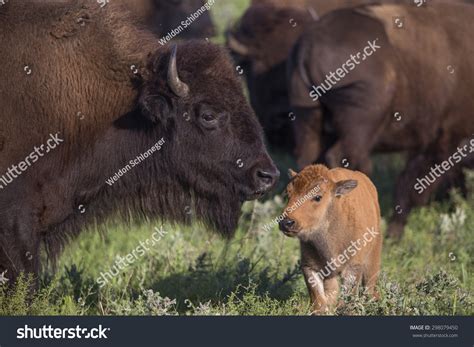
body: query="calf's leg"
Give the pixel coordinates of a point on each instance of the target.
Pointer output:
(316, 290)
(351, 277)
(331, 289)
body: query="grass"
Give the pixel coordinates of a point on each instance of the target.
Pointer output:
(192, 272)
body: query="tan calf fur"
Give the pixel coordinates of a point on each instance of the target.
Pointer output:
(338, 226)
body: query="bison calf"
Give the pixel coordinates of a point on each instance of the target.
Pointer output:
(338, 226)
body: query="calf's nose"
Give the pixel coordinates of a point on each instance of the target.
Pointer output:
(286, 224)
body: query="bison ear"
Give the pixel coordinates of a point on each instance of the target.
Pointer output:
(344, 187)
(154, 107)
(291, 173)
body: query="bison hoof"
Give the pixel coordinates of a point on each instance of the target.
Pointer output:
(395, 230)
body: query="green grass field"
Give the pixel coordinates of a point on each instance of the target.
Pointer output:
(193, 272)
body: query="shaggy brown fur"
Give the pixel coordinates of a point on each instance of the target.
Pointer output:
(91, 75)
(340, 220)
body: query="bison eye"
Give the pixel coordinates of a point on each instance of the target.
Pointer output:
(209, 120)
(318, 198)
(208, 117)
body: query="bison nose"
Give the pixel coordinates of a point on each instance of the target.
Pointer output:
(266, 178)
(286, 224)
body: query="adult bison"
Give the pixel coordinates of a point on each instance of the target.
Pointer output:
(163, 16)
(261, 43)
(98, 117)
(402, 82)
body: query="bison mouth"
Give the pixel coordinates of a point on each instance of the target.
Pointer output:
(222, 211)
(258, 194)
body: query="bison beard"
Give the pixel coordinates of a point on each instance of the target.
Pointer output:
(169, 199)
(87, 68)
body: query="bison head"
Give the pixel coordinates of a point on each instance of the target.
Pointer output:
(214, 143)
(265, 35)
(311, 195)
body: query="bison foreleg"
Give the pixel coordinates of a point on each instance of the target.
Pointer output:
(18, 254)
(407, 196)
(352, 156)
(308, 136)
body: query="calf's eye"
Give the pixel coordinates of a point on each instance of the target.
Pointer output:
(317, 198)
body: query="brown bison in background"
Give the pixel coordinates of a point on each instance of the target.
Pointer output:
(162, 16)
(413, 94)
(335, 214)
(108, 92)
(261, 43)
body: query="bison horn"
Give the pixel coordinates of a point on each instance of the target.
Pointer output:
(178, 87)
(236, 46)
(313, 13)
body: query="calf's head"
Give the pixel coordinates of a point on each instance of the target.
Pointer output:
(215, 150)
(311, 195)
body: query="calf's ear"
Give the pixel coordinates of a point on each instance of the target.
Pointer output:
(291, 173)
(344, 187)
